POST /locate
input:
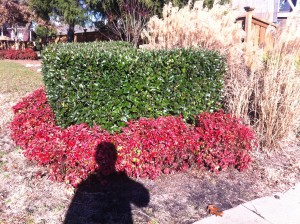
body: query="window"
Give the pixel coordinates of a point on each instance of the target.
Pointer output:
(284, 5)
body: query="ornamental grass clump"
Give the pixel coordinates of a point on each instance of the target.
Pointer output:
(194, 26)
(274, 103)
(268, 98)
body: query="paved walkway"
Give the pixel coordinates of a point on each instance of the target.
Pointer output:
(282, 208)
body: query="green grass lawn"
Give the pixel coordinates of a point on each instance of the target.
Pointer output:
(15, 78)
(16, 81)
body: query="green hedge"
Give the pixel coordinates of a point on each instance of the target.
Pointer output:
(109, 83)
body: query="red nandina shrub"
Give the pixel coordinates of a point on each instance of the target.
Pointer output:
(31, 112)
(69, 154)
(145, 148)
(34, 130)
(224, 141)
(149, 147)
(27, 54)
(11, 54)
(31, 54)
(80, 149)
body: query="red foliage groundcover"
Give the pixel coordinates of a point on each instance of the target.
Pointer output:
(145, 148)
(27, 54)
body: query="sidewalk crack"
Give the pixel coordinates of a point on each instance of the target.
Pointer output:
(257, 213)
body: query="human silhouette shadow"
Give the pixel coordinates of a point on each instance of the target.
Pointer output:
(105, 197)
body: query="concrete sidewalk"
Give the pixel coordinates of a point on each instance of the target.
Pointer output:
(282, 208)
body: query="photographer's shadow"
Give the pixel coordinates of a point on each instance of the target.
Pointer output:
(106, 198)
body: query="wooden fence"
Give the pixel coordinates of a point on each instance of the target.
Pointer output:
(18, 45)
(83, 37)
(256, 30)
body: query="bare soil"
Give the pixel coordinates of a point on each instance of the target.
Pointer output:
(28, 196)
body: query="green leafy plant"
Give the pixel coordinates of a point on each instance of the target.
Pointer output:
(42, 31)
(111, 83)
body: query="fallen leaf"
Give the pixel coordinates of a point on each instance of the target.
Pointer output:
(214, 210)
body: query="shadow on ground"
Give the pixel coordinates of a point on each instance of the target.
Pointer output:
(106, 199)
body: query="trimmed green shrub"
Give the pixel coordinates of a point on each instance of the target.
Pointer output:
(109, 83)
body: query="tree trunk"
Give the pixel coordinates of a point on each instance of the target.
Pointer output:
(71, 33)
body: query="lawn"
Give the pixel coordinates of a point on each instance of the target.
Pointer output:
(15, 82)
(17, 79)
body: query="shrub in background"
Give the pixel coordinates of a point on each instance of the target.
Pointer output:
(111, 83)
(27, 54)
(146, 147)
(42, 32)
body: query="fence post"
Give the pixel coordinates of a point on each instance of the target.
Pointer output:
(248, 23)
(30, 35)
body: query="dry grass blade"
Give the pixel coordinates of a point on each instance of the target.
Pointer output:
(277, 87)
